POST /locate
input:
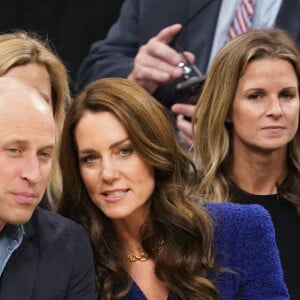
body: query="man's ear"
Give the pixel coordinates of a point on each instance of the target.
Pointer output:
(228, 118)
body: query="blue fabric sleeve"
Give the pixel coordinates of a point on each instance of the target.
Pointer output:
(245, 244)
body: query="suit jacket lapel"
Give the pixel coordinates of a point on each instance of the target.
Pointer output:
(207, 21)
(289, 20)
(20, 272)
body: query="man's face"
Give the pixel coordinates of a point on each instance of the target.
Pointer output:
(27, 137)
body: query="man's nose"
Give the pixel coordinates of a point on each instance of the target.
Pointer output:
(31, 169)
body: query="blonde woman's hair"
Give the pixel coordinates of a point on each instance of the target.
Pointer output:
(21, 48)
(212, 134)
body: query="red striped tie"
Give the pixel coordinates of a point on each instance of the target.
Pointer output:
(243, 18)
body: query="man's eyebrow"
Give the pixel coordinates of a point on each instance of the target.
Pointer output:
(20, 141)
(50, 146)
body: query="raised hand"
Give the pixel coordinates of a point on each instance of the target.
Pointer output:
(156, 63)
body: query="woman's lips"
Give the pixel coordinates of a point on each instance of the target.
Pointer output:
(114, 195)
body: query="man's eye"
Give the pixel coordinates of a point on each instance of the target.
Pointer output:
(46, 155)
(14, 150)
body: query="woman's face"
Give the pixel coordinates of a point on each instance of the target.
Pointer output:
(35, 75)
(265, 109)
(117, 179)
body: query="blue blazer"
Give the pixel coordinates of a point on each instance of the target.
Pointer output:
(245, 243)
(140, 20)
(245, 248)
(54, 261)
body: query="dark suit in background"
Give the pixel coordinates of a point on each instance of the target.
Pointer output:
(71, 26)
(140, 20)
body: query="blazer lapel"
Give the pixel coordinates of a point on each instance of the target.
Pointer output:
(289, 20)
(200, 40)
(19, 275)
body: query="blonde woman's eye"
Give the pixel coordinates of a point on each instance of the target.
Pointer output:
(287, 95)
(255, 96)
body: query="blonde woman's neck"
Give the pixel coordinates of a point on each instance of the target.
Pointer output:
(259, 173)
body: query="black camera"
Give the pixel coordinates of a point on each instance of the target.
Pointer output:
(189, 89)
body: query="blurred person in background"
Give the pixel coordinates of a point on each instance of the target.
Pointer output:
(247, 137)
(146, 42)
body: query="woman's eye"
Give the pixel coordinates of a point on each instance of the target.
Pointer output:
(125, 151)
(87, 159)
(287, 95)
(255, 96)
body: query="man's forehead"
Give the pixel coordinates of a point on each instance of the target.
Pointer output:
(13, 84)
(17, 91)
(19, 100)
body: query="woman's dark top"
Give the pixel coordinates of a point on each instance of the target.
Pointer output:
(287, 229)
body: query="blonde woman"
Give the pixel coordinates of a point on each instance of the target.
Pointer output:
(247, 138)
(32, 60)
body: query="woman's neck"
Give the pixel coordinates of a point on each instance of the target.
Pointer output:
(129, 231)
(259, 173)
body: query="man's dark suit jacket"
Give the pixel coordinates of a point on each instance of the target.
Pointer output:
(140, 20)
(54, 261)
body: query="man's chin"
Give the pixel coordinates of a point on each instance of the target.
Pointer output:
(21, 216)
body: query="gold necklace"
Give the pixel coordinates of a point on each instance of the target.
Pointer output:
(143, 256)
